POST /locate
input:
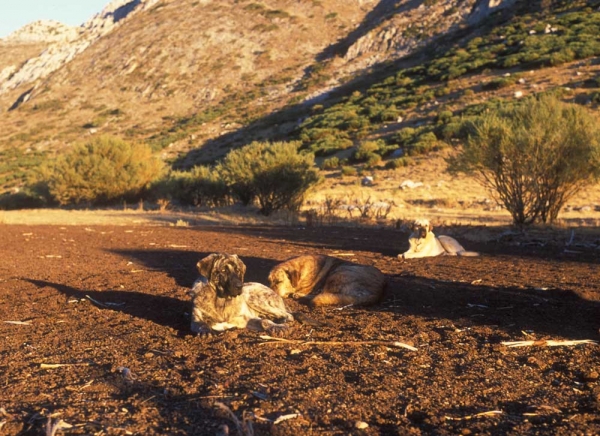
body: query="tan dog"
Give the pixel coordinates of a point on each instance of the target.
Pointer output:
(327, 281)
(424, 243)
(221, 300)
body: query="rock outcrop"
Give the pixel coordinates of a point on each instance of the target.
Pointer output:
(43, 31)
(406, 26)
(65, 42)
(484, 8)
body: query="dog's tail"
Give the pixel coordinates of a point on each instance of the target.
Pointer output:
(305, 319)
(467, 253)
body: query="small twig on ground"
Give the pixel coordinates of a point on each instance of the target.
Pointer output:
(95, 301)
(343, 307)
(18, 322)
(477, 415)
(60, 365)
(59, 424)
(570, 241)
(549, 409)
(285, 418)
(547, 343)
(302, 342)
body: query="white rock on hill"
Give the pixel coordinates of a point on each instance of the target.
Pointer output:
(43, 31)
(66, 42)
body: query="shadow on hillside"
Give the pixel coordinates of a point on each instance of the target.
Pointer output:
(280, 124)
(283, 124)
(382, 11)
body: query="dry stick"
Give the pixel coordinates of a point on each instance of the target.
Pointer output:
(302, 342)
(95, 301)
(286, 417)
(477, 415)
(18, 322)
(59, 365)
(547, 343)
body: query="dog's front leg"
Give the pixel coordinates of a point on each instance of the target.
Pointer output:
(199, 326)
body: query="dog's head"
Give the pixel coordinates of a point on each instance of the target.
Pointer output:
(224, 272)
(421, 227)
(283, 280)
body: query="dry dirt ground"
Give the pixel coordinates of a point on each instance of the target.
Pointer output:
(94, 329)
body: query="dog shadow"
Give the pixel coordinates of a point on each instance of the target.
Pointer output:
(165, 311)
(181, 265)
(552, 312)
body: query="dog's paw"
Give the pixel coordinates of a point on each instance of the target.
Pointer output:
(274, 329)
(201, 330)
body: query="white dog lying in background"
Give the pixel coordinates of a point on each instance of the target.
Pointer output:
(423, 243)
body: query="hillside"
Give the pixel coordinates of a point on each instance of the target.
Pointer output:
(197, 78)
(236, 61)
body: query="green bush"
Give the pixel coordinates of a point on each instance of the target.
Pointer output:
(202, 186)
(373, 161)
(349, 171)
(365, 150)
(24, 199)
(533, 156)
(399, 163)
(331, 163)
(405, 136)
(102, 171)
(274, 173)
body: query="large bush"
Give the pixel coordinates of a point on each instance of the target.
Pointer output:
(201, 186)
(274, 173)
(533, 156)
(101, 171)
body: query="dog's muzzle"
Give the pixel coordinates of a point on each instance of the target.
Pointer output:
(235, 287)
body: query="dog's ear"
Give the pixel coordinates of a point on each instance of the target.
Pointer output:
(294, 276)
(205, 266)
(240, 264)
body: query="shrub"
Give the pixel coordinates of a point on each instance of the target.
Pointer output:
(533, 156)
(373, 161)
(365, 150)
(25, 199)
(274, 173)
(405, 136)
(349, 171)
(398, 163)
(102, 171)
(331, 163)
(202, 186)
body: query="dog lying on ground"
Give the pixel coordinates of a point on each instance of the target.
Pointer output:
(424, 243)
(327, 281)
(221, 300)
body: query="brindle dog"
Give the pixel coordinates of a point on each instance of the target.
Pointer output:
(327, 281)
(221, 300)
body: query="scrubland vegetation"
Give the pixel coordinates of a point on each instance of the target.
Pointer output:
(408, 113)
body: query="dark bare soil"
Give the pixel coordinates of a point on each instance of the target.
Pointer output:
(110, 304)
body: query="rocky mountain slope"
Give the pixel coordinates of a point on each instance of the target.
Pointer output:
(149, 62)
(205, 75)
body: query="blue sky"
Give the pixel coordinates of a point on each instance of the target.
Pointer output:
(16, 13)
